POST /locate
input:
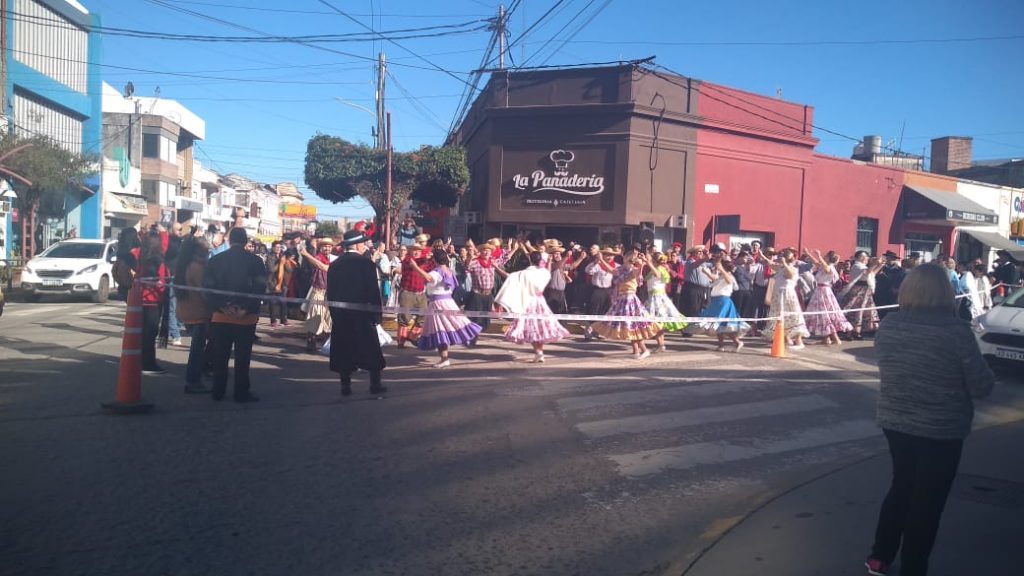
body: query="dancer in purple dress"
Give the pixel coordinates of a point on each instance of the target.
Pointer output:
(447, 325)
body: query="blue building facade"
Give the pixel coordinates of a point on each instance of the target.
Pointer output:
(54, 89)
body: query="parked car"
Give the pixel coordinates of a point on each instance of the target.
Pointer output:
(71, 267)
(1000, 331)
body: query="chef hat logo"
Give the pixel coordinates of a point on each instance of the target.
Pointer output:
(561, 158)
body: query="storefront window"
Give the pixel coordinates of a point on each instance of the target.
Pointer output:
(867, 234)
(927, 245)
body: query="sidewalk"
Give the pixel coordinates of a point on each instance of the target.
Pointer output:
(825, 527)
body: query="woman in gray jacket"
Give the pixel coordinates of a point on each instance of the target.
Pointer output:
(930, 369)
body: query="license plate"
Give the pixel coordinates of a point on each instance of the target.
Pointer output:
(1010, 354)
(53, 282)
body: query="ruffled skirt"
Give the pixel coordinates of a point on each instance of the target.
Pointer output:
(632, 330)
(824, 315)
(536, 330)
(722, 307)
(444, 330)
(794, 321)
(861, 297)
(660, 306)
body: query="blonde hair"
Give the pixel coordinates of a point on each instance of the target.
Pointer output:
(927, 286)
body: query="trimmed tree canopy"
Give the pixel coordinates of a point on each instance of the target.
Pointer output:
(338, 170)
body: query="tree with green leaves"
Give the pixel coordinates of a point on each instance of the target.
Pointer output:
(328, 228)
(43, 172)
(338, 170)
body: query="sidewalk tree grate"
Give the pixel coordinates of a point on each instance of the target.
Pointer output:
(988, 490)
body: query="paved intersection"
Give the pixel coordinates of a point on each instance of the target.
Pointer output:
(591, 463)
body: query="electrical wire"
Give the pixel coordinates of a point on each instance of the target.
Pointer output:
(579, 28)
(557, 34)
(400, 34)
(419, 56)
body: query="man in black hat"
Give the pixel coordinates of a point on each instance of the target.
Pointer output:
(352, 278)
(888, 282)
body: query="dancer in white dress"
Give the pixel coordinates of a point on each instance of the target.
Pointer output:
(784, 299)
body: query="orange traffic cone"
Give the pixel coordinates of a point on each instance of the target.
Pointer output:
(779, 336)
(128, 399)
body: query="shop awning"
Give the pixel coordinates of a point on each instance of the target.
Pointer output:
(929, 204)
(997, 242)
(123, 204)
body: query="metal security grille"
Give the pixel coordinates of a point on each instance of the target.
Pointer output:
(867, 234)
(34, 118)
(50, 43)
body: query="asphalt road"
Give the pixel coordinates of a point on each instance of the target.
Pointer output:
(589, 464)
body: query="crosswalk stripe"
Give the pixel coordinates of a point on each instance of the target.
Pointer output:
(29, 311)
(649, 462)
(661, 394)
(707, 415)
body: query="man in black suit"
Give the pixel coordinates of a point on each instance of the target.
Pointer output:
(352, 278)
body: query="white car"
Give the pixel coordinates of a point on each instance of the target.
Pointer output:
(71, 267)
(1000, 331)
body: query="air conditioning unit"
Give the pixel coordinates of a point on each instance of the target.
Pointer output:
(472, 217)
(677, 221)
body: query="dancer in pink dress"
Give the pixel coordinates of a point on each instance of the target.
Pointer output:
(825, 317)
(523, 293)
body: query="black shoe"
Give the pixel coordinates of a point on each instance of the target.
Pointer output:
(378, 390)
(346, 389)
(154, 371)
(248, 397)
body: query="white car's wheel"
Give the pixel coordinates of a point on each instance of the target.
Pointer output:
(103, 292)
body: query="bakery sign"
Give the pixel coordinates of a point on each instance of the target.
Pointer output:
(558, 179)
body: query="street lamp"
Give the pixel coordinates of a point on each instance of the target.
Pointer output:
(387, 147)
(373, 130)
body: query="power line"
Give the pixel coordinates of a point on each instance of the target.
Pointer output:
(578, 29)
(292, 11)
(425, 112)
(557, 34)
(806, 42)
(420, 57)
(400, 34)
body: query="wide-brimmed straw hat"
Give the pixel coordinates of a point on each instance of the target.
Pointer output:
(325, 240)
(553, 245)
(609, 251)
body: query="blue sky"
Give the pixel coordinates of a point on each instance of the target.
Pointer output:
(262, 102)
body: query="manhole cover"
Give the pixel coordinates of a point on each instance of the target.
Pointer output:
(991, 491)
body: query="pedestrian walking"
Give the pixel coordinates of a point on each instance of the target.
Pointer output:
(447, 326)
(192, 309)
(233, 322)
(352, 278)
(930, 370)
(523, 294)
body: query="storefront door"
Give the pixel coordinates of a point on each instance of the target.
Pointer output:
(927, 245)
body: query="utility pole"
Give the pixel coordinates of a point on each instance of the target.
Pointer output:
(387, 198)
(501, 36)
(381, 74)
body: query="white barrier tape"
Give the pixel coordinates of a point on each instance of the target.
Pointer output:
(510, 315)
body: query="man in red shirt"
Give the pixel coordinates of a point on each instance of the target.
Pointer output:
(413, 290)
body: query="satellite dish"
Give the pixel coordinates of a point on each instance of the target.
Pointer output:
(129, 90)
